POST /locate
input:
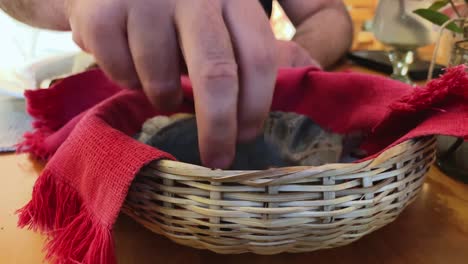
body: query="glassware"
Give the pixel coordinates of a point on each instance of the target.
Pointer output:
(452, 156)
(398, 28)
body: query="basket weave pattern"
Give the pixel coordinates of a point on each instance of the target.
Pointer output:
(294, 209)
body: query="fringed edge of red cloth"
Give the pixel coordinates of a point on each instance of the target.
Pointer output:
(440, 98)
(59, 207)
(453, 82)
(51, 115)
(67, 215)
(73, 233)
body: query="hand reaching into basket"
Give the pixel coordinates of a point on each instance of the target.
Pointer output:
(232, 65)
(144, 43)
(227, 46)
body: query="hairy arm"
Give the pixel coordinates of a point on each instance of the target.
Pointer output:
(48, 14)
(323, 28)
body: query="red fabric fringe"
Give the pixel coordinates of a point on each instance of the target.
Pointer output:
(439, 108)
(74, 234)
(454, 82)
(78, 197)
(52, 113)
(93, 160)
(45, 114)
(33, 143)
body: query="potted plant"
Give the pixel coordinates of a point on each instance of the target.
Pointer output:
(452, 155)
(439, 13)
(442, 11)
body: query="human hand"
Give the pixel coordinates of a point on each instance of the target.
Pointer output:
(226, 45)
(291, 54)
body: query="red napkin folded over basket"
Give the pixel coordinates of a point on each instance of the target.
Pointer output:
(84, 123)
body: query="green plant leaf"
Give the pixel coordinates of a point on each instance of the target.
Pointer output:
(439, 4)
(438, 19)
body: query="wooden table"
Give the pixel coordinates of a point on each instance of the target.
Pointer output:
(432, 230)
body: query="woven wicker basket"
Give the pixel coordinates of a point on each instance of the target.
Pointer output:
(293, 209)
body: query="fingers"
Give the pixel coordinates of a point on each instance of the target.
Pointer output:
(255, 47)
(139, 43)
(155, 52)
(301, 58)
(211, 63)
(108, 43)
(291, 54)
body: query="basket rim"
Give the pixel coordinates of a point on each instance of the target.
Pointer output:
(193, 206)
(197, 171)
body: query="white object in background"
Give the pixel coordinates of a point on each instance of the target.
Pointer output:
(39, 73)
(22, 43)
(29, 55)
(42, 70)
(396, 25)
(10, 86)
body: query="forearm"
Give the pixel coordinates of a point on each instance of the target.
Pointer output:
(325, 31)
(49, 14)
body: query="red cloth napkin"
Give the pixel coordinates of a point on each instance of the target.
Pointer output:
(84, 125)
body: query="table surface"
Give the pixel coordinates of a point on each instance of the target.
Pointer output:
(432, 230)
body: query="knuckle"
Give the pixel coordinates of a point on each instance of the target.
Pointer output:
(219, 69)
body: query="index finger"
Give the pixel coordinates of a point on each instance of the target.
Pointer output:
(212, 67)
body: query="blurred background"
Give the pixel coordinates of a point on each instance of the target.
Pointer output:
(20, 43)
(23, 46)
